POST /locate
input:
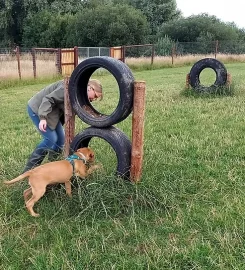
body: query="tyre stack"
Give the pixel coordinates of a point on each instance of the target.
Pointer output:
(101, 125)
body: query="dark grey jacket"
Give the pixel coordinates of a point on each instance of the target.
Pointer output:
(49, 103)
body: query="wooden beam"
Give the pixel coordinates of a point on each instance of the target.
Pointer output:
(137, 131)
(69, 119)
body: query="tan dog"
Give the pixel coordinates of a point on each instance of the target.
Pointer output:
(55, 172)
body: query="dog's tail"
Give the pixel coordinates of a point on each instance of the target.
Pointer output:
(19, 178)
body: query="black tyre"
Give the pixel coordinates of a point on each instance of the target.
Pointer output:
(78, 91)
(115, 137)
(217, 66)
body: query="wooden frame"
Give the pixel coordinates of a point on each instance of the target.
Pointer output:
(137, 128)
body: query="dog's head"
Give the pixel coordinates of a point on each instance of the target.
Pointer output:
(86, 153)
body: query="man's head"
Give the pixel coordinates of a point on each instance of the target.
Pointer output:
(94, 90)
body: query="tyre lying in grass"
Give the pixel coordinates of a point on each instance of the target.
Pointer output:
(219, 69)
(116, 138)
(78, 91)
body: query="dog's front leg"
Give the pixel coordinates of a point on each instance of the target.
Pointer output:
(68, 188)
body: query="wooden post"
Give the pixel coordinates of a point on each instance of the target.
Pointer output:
(173, 53)
(187, 81)
(229, 80)
(152, 53)
(58, 61)
(34, 62)
(18, 60)
(111, 52)
(69, 120)
(75, 56)
(123, 53)
(216, 48)
(137, 131)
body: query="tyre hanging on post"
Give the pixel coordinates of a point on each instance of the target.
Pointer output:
(116, 138)
(78, 91)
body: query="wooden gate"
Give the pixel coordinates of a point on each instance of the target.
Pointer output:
(68, 60)
(118, 53)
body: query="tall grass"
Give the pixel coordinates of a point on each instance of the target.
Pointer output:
(186, 213)
(46, 63)
(178, 61)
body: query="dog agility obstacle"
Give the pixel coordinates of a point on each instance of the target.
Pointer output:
(133, 161)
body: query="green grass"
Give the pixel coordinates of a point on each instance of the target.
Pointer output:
(186, 213)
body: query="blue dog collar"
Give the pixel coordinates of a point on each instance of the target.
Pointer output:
(71, 159)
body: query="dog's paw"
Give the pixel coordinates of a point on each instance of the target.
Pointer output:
(98, 166)
(94, 168)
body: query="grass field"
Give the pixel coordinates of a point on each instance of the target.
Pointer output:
(188, 211)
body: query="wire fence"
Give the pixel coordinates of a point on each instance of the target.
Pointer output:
(18, 62)
(187, 48)
(85, 52)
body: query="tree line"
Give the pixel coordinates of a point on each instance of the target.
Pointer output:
(106, 23)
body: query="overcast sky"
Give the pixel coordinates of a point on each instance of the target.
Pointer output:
(225, 10)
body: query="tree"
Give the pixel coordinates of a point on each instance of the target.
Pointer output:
(46, 29)
(59, 6)
(64, 7)
(194, 27)
(157, 12)
(12, 14)
(164, 46)
(107, 25)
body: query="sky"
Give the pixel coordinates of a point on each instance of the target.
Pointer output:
(225, 10)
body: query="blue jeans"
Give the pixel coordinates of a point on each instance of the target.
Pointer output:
(52, 139)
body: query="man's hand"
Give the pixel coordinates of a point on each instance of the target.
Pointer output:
(43, 125)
